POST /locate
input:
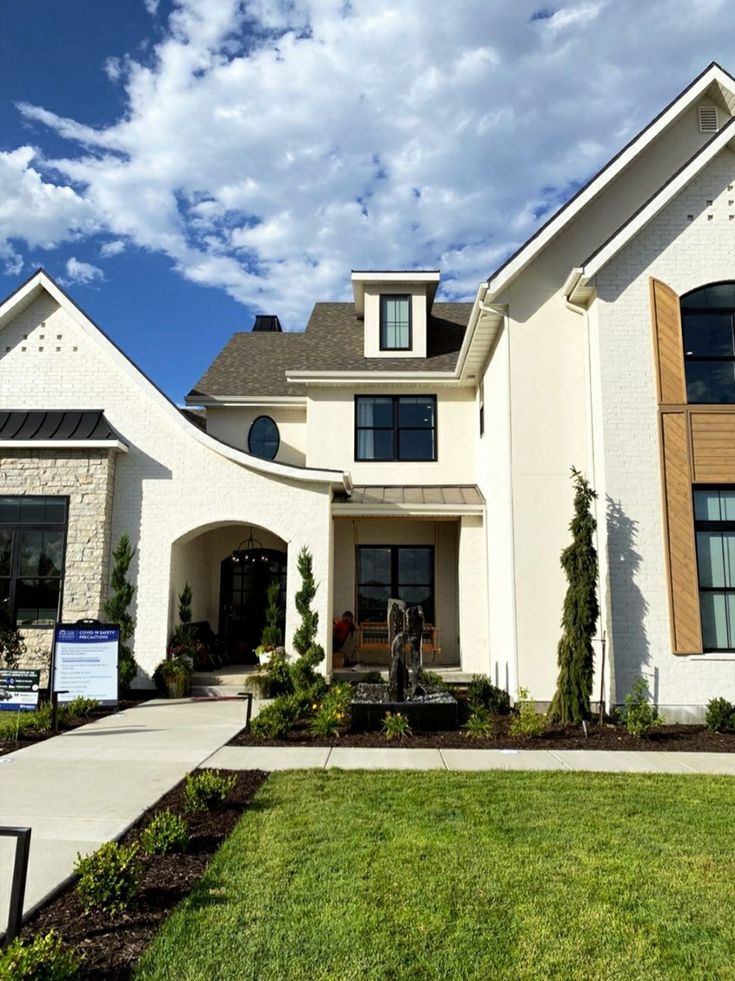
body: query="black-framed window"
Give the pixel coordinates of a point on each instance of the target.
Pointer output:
(708, 325)
(404, 572)
(264, 438)
(395, 322)
(395, 427)
(32, 543)
(714, 520)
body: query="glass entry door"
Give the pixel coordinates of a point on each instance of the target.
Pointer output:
(244, 582)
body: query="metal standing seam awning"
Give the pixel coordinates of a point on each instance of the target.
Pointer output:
(58, 429)
(444, 499)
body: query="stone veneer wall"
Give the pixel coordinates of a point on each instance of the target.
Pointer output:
(86, 477)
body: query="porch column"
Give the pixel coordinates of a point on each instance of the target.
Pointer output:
(473, 598)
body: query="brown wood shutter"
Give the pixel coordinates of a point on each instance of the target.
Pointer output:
(677, 476)
(668, 344)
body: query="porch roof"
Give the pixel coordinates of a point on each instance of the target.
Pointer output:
(444, 498)
(58, 429)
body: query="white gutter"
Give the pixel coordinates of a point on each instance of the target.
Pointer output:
(379, 377)
(63, 444)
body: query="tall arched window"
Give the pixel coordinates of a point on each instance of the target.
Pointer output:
(708, 324)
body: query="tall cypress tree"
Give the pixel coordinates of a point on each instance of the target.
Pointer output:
(571, 703)
(116, 608)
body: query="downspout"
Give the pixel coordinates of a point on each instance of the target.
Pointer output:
(571, 283)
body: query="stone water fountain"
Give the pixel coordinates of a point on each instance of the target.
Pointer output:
(426, 709)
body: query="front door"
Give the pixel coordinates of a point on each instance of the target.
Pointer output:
(244, 582)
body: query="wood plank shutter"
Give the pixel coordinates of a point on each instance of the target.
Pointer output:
(668, 344)
(676, 464)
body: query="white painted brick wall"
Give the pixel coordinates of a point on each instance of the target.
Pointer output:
(168, 483)
(689, 244)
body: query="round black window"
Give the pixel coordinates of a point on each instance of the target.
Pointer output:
(263, 439)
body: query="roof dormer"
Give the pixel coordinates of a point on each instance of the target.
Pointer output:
(395, 307)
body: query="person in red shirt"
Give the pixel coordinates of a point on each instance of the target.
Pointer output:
(342, 630)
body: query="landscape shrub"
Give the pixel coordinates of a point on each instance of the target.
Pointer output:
(720, 715)
(109, 879)
(639, 715)
(479, 725)
(430, 679)
(41, 719)
(207, 790)
(45, 958)
(395, 726)
(275, 678)
(275, 720)
(165, 833)
(527, 722)
(332, 715)
(370, 678)
(80, 707)
(482, 692)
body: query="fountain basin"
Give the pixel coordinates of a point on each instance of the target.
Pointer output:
(435, 711)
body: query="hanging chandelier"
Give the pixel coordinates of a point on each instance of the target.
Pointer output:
(249, 551)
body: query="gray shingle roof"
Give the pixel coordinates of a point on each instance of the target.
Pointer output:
(255, 363)
(55, 424)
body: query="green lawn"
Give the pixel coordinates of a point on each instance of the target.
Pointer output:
(388, 875)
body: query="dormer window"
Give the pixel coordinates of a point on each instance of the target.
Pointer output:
(395, 322)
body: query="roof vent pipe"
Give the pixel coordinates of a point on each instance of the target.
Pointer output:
(267, 322)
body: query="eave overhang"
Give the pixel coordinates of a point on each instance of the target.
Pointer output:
(409, 277)
(579, 287)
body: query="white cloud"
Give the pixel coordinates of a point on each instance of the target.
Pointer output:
(35, 210)
(115, 247)
(82, 272)
(267, 147)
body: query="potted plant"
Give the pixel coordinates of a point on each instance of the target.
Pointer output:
(173, 677)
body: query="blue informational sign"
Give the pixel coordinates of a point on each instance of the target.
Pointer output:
(19, 690)
(85, 661)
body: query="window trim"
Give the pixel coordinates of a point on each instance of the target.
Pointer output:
(703, 524)
(396, 429)
(17, 526)
(395, 296)
(685, 310)
(394, 548)
(278, 437)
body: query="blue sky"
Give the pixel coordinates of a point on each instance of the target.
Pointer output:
(180, 165)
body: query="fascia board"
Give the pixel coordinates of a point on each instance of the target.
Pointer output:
(628, 231)
(151, 390)
(378, 377)
(64, 444)
(505, 274)
(406, 510)
(275, 401)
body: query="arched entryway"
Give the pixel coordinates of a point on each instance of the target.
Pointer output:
(229, 567)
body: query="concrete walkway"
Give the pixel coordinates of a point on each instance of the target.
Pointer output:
(395, 758)
(88, 786)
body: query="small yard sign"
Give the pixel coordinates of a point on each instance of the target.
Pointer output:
(85, 661)
(19, 690)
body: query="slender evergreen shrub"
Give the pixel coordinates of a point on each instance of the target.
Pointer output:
(571, 702)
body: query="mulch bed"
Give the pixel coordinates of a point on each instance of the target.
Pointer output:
(112, 947)
(606, 737)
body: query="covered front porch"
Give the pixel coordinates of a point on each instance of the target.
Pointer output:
(425, 546)
(229, 568)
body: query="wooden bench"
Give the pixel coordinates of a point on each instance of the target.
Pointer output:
(372, 638)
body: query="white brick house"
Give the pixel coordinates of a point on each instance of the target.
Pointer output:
(423, 448)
